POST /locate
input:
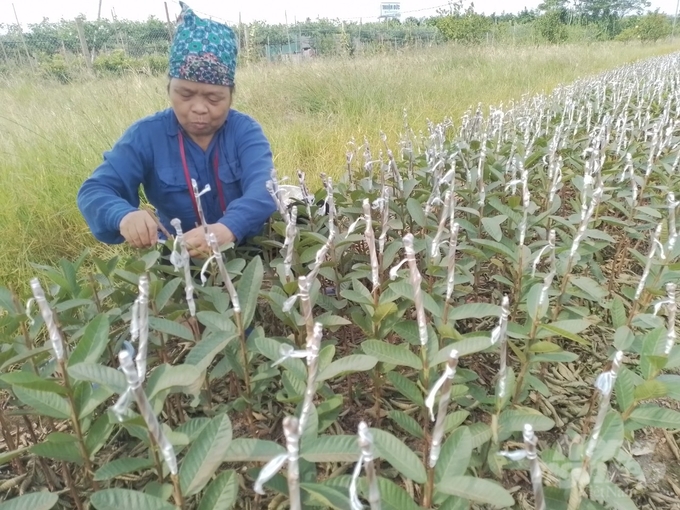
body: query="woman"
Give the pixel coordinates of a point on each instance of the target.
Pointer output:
(200, 138)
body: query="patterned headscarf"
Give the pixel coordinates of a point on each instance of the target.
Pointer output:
(203, 50)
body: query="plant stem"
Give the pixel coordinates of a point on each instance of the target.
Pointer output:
(244, 352)
(50, 477)
(177, 491)
(9, 441)
(156, 458)
(71, 486)
(525, 366)
(563, 290)
(429, 489)
(76, 426)
(376, 396)
(518, 283)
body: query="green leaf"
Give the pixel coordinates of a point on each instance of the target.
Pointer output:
(347, 365)
(93, 343)
(99, 374)
(398, 455)
(7, 457)
(249, 289)
(120, 467)
(455, 455)
(45, 403)
(166, 293)
(455, 419)
(98, 434)
(605, 492)
(33, 501)
(454, 503)
(474, 311)
(654, 416)
(406, 387)
(513, 420)
(495, 247)
(480, 434)
(329, 497)
(383, 311)
(405, 289)
(205, 455)
(203, 353)
(652, 349)
(649, 390)
(89, 398)
(476, 489)
(393, 497)
(623, 338)
(217, 322)
(252, 450)
(555, 357)
(406, 423)
(492, 226)
(222, 492)
(165, 377)
(270, 348)
(338, 448)
(119, 499)
(465, 347)
(618, 312)
(171, 328)
(32, 381)
(417, 212)
(536, 311)
(6, 300)
(391, 354)
(59, 446)
(672, 384)
(590, 287)
(611, 438)
(554, 329)
(625, 389)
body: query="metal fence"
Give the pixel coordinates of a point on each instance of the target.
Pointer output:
(116, 45)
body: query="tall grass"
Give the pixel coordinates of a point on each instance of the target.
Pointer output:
(52, 135)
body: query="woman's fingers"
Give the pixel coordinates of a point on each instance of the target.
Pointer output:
(139, 229)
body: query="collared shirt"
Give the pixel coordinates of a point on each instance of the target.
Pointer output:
(148, 155)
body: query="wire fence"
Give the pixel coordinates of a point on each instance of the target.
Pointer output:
(63, 48)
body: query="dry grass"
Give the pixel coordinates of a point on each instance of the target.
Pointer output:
(52, 135)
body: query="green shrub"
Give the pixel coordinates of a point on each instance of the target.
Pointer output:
(550, 27)
(502, 267)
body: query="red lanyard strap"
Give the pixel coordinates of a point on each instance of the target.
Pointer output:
(187, 176)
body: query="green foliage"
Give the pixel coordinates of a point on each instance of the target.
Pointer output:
(550, 27)
(653, 26)
(221, 382)
(464, 26)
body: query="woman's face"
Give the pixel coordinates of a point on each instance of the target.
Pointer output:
(201, 108)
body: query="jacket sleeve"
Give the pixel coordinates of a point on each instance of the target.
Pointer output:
(112, 191)
(246, 215)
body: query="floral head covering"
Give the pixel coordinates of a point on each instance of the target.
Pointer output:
(203, 50)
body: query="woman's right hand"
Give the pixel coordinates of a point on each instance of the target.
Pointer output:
(139, 229)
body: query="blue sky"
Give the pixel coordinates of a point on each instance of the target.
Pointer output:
(272, 11)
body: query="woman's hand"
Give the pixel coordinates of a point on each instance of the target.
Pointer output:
(197, 243)
(139, 229)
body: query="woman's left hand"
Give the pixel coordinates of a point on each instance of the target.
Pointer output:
(198, 245)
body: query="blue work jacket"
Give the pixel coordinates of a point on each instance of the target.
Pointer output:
(148, 154)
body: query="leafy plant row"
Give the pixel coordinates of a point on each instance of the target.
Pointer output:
(480, 317)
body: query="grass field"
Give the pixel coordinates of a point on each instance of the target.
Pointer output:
(52, 135)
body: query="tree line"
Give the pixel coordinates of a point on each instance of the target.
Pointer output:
(117, 43)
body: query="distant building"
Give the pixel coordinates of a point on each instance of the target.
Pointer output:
(390, 10)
